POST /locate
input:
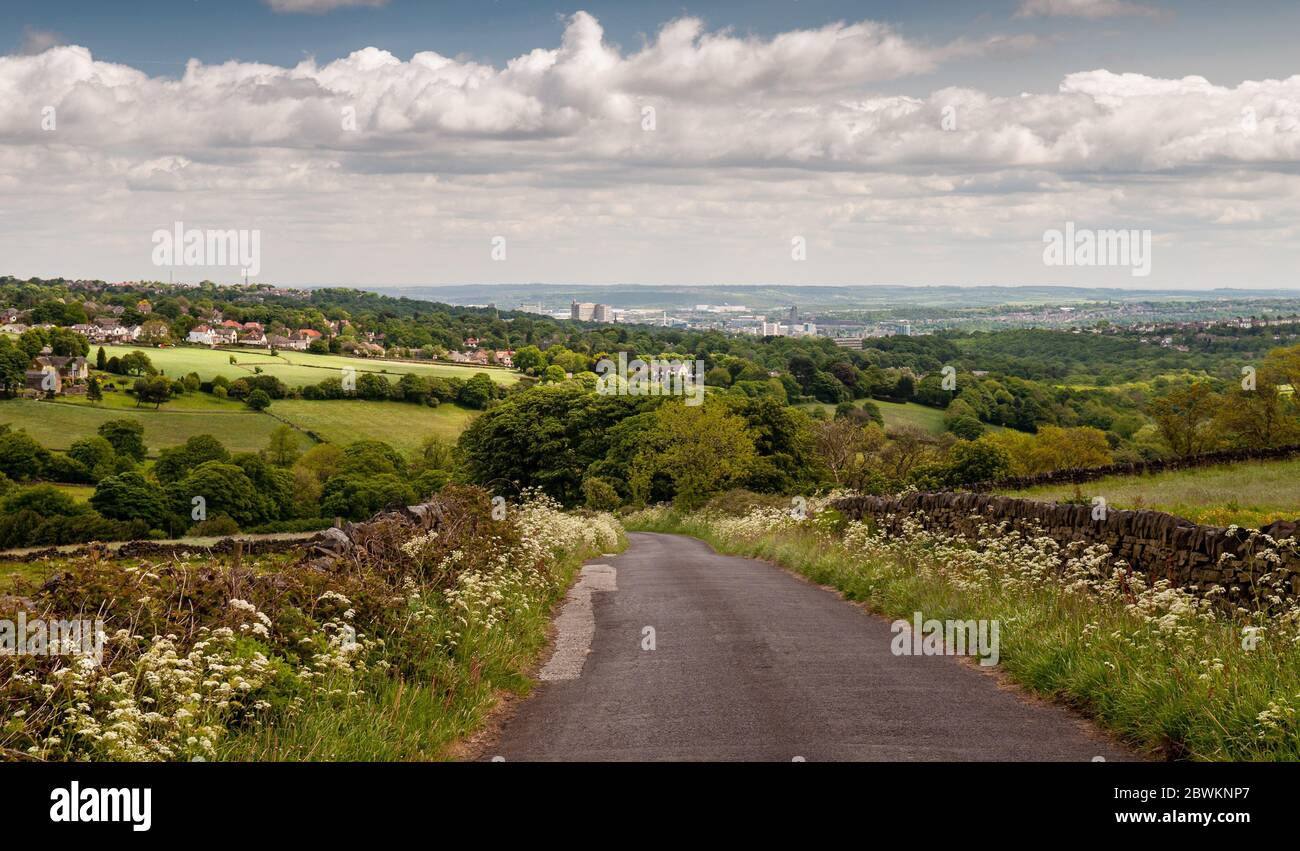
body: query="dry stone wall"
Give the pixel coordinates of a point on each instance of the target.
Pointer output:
(1161, 545)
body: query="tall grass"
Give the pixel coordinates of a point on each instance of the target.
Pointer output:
(1243, 494)
(1172, 675)
(393, 650)
(414, 717)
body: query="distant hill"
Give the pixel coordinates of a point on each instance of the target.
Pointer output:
(671, 297)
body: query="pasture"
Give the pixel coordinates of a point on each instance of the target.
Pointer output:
(898, 414)
(402, 425)
(295, 369)
(56, 425)
(1246, 494)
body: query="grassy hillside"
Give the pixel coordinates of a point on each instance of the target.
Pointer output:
(899, 414)
(57, 424)
(1251, 494)
(402, 425)
(293, 368)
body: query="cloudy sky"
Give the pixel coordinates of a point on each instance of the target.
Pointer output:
(396, 142)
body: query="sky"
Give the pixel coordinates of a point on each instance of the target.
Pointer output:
(373, 143)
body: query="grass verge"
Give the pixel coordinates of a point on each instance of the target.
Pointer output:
(1171, 675)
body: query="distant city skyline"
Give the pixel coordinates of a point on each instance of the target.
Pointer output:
(1111, 143)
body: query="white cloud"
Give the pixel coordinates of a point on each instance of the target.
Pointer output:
(1093, 9)
(753, 138)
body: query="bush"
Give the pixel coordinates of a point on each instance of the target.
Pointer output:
(258, 400)
(214, 527)
(21, 457)
(600, 495)
(301, 524)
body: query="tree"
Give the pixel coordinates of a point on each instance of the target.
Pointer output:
(478, 391)
(127, 437)
(96, 454)
(553, 374)
(13, 367)
(136, 363)
(274, 483)
(827, 388)
(529, 359)
(413, 388)
(1056, 448)
(717, 377)
(366, 457)
(908, 448)
(321, 461)
(357, 496)
(1185, 416)
(130, 496)
(373, 386)
(840, 445)
(434, 454)
(258, 400)
(972, 461)
(93, 391)
(223, 489)
(282, 449)
(67, 343)
(600, 494)
(548, 437)
(154, 390)
(155, 332)
(175, 462)
(966, 426)
(21, 457)
(702, 449)
(1258, 418)
(101, 359)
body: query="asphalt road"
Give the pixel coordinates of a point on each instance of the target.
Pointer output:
(751, 663)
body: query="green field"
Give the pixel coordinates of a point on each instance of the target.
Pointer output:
(1248, 494)
(119, 400)
(898, 414)
(81, 493)
(295, 369)
(402, 425)
(56, 425)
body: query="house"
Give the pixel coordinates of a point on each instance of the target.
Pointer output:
(471, 342)
(202, 335)
(505, 358)
(309, 333)
(224, 336)
(13, 328)
(479, 356)
(255, 338)
(86, 330)
(230, 323)
(277, 341)
(66, 368)
(9, 315)
(43, 382)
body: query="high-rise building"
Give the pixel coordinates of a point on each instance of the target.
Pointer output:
(582, 311)
(602, 313)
